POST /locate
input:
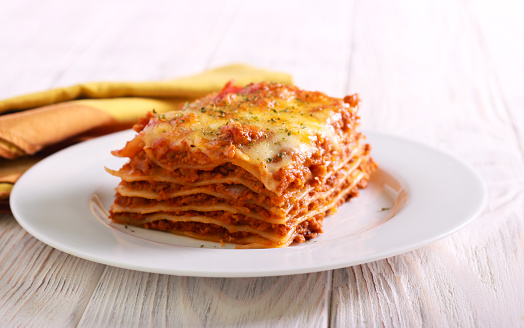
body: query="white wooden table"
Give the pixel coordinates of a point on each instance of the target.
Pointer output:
(448, 73)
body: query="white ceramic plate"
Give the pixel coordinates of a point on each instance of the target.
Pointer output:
(418, 196)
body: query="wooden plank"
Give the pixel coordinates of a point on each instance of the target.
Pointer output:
(88, 41)
(423, 72)
(150, 40)
(127, 298)
(43, 38)
(501, 30)
(40, 286)
(309, 39)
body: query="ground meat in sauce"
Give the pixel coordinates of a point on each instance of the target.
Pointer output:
(320, 171)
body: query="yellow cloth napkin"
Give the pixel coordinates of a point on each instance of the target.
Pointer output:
(41, 119)
(10, 171)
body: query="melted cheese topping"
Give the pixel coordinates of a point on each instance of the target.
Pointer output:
(267, 125)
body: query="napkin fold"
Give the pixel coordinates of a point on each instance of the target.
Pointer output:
(10, 171)
(32, 122)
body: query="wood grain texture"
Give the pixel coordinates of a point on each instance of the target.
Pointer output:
(153, 300)
(40, 286)
(501, 31)
(56, 43)
(310, 40)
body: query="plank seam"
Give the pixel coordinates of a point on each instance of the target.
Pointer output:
(83, 305)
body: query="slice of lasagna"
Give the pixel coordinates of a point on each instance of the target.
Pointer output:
(257, 166)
